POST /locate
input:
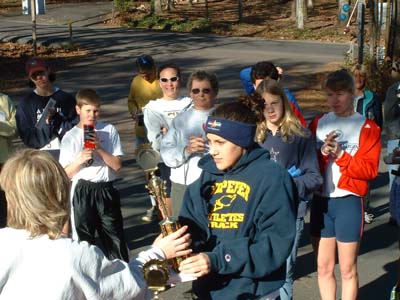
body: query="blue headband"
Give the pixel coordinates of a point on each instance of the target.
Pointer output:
(241, 134)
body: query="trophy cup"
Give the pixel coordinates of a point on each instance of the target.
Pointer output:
(148, 160)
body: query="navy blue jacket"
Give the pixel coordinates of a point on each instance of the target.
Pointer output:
(244, 220)
(32, 106)
(370, 106)
(301, 153)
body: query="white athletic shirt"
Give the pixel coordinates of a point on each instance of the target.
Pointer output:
(349, 130)
(72, 145)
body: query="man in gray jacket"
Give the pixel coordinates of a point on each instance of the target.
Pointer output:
(391, 108)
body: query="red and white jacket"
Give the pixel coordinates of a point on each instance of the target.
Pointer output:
(360, 139)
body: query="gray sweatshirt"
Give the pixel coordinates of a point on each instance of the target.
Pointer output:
(159, 114)
(184, 169)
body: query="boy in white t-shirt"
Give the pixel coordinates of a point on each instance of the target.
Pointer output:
(95, 202)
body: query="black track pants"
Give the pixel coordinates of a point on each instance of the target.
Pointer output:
(97, 207)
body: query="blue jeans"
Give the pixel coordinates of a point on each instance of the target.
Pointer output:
(286, 291)
(391, 144)
(140, 141)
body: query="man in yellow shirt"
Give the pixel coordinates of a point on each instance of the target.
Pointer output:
(144, 87)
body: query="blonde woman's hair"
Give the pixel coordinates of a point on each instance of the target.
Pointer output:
(362, 69)
(290, 125)
(37, 193)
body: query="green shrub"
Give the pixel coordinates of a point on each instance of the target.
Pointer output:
(124, 5)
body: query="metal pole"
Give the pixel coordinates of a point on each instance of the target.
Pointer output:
(33, 14)
(71, 41)
(360, 19)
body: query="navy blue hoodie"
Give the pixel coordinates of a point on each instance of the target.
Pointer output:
(244, 220)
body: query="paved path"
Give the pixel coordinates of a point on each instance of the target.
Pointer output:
(109, 69)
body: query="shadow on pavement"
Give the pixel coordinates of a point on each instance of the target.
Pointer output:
(381, 286)
(378, 237)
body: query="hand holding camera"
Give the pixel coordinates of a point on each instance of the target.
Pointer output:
(331, 146)
(196, 145)
(50, 115)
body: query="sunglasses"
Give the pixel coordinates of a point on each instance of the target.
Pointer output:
(197, 91)
(37, 74)
(172, 79)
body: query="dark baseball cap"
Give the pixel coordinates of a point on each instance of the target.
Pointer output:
(34, 64)
(145, 62)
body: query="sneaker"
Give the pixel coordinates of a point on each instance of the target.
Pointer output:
(151, 215)
(395, 294)
(368, 218)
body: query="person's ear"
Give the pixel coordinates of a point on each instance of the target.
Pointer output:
(78, 109)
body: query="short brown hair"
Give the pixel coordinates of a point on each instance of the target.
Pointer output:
(340, 80)
(87, 97)
(204, 75)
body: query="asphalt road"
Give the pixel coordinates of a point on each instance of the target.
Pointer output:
(109, 70)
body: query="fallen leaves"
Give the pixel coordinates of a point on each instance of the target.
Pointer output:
(14, 55)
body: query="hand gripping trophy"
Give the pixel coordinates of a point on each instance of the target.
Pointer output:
(156, 272)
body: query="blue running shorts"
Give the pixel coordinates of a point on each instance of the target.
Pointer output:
(341, 217)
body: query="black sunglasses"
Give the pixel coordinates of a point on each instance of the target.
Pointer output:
(197, 91)
(37, 74)
(172, 79)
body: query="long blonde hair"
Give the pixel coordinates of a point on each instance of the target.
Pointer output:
(290, 125)
(37, 193)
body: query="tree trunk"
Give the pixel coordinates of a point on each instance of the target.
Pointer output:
(240, 11)
(207, 11)
(293, 11)
(300, 14)
(33, 14)
(157, 7)
(373, 12)
(170, 5)
(389, 6)
(396, 34)
(310, 4)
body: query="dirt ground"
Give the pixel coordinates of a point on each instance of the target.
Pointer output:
(264, 19)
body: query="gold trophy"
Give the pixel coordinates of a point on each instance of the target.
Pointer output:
(156, 274)
(148, 159)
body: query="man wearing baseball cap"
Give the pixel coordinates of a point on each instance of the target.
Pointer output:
(47, 112)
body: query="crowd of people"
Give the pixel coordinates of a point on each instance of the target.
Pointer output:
(240, 177)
